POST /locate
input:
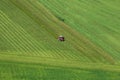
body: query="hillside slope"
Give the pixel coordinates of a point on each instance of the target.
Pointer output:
(54, 27)
(98, 20)
(29, 48)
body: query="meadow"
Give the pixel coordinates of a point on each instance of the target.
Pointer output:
(30, 50)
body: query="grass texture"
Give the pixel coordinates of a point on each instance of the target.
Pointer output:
(29, 49)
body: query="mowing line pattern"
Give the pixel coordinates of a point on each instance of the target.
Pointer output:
(30, 50)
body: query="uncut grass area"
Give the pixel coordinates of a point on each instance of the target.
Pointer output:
(30, 49)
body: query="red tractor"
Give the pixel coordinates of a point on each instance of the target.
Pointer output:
(61, 38)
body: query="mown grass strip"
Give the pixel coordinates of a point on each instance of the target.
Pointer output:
(60, 63)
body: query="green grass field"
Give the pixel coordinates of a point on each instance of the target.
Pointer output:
(29, 49)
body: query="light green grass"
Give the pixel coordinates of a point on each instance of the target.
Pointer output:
(25, 36)
(29, 49)
(21, 71)
(55, 28)
(97, 20)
